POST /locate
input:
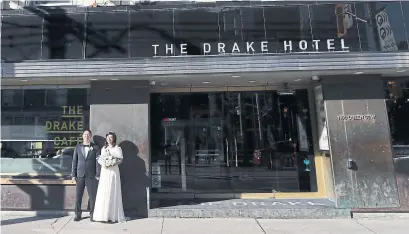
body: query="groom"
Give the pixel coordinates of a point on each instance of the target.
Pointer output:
(85, 171)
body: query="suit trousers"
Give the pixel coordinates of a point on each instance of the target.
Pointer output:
(92, 186)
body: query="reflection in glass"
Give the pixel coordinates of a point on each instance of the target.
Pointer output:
(39, 129)
(231, 142)
(397, 102)
(383, 28)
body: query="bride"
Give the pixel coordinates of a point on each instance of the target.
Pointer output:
(108, 203)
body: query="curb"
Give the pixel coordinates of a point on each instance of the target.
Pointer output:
(385, 215)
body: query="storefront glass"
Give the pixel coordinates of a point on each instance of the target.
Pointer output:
(233, 142)
(397, 102)
(203, 30)
(40, 127)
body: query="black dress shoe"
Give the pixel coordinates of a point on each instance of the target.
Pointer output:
(77, 218)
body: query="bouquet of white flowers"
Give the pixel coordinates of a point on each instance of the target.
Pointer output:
(108, 160)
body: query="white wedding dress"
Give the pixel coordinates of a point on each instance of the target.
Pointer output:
(108, 204)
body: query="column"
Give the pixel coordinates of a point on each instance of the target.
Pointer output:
(360, 144)
(123, 107)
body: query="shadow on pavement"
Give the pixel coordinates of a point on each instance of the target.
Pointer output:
(19, 220)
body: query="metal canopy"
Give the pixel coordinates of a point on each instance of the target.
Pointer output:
(206, 65)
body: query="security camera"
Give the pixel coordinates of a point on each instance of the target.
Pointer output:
(152, 82)
(315, 78)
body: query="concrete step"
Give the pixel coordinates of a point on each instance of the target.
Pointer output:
(248, 208)
(296, 213)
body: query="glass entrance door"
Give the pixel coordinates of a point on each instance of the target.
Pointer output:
(231, 142)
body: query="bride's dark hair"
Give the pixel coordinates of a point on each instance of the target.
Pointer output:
(113, 140)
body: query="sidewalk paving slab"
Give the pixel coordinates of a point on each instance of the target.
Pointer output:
(329, 226)
(140, 226)
(33, 224)
(66, 225)
(396, 226)
(213, 226)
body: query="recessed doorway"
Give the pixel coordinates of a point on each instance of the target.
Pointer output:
(231, 142)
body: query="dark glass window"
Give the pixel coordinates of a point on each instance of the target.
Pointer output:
(397, 102)
(107, 35)
(405, 10)
(231, 29)
(234, 142)
(21, 38)
(45, 128)
(332, 24)
(194, 28)
(253, 29)
(11, 98)
(64, 35)
(34, 98)
(56, 97)
(283, 30)
(385, 29)
(151, 28)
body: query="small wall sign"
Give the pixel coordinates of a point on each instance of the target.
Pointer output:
(356, 117)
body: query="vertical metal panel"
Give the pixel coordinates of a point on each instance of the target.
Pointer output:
(370, 181)
(401, 159)
(123, 107)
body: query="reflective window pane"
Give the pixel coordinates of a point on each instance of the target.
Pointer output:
(234, 142)
(64, 35)
(397, 102)
(151, 28)
(11, 98)
(384, 29)
(283, 30)
(107, 35)
(193, 28)
(56, 97)
(41, 133)
(21, 38)
(34, 98)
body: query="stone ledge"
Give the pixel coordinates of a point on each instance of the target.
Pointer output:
(381, 215)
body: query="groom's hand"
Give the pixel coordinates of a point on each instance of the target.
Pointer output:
(97, 178)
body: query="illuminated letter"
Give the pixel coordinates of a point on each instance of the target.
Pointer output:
(235, 48)
(206, 48)
(183, 49)
(303, 45)
(289, 45)
(343, 47)
(155, 49)
(250, 46)
(264, 46)
(316, 46)
(169, 49)
(330, 44)
(220, 48)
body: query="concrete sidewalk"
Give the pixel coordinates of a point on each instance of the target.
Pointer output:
(28, 225)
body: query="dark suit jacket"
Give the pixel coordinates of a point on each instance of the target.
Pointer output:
(85, 166)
